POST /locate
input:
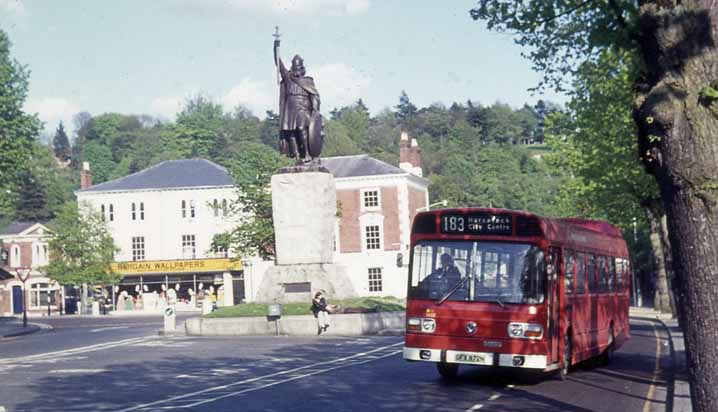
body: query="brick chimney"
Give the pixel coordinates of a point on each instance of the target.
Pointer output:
(409, 155)
(85, 176)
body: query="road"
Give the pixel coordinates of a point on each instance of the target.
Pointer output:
(123, 365)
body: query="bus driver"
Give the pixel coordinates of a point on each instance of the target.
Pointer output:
(443, 279)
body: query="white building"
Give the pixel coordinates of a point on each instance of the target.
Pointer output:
(164, 219)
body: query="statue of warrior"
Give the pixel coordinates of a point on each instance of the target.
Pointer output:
(300, 124)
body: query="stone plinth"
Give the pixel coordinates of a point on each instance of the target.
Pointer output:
(304, 208)
(278, 280)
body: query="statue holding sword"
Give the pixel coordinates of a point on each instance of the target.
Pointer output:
(300, 123)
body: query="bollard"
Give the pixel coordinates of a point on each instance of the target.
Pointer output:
(170, 320)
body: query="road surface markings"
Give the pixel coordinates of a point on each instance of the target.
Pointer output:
(74, 351)
(109, 328)
(78, 371)
(494, 396)
(656, 371)
(475, 407)
(266, 381)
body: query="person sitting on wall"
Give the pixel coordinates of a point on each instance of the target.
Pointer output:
(321, 312)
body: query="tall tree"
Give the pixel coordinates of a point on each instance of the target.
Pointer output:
(61, 144)
(18, 130)
(674, 44)
(405, 110)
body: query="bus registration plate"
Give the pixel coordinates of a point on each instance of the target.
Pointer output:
(475, 358)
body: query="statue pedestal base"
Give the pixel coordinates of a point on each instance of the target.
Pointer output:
(304, 207)
(298, 283)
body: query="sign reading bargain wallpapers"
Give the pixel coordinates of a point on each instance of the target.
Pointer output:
(177, 266)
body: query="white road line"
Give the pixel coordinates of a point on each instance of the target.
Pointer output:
(78, 371)
(258, 378)
(475, 407)
(494, 396)
(73, 351)
(293, 378)
(109, 328)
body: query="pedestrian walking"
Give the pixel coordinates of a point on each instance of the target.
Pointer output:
(321, 312)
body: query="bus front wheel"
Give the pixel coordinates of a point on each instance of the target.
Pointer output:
(447, 370)
(607, 355)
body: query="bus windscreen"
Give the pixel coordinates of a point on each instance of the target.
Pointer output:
(477, 272)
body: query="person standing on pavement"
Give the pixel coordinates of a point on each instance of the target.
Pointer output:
(319, 308)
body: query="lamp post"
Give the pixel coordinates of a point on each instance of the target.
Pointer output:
(23, 274)
(443, 203)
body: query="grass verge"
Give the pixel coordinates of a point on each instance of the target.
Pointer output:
(378, 304)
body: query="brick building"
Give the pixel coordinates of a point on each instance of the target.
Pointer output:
(25, 245)
(377, 203)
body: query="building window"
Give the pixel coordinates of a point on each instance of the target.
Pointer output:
(142, 211)
(188, 247)
(184, 209)
(41, 295)
(373, 237)
(134, 214)
(375, 284)
(225, 210)
(102, 210)
(191, 209)
(215, 206)
(112, 213)
(15, 256)
(370, 199)
(220, 251)
(138, 248)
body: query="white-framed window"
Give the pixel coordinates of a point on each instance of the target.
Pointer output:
(41, 294)
(220, 251)
(102, 210)
(184, 209)
(225, 209)
(112, 213)
(138, 248)
(191, 209)
(188, 247)
(375, 282)
(39, 254)
(142, 210)
(134, 213)
(372, 237)
(370, 199)
(15, 256)
(215, 207)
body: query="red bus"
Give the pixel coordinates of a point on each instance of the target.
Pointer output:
(505, 288)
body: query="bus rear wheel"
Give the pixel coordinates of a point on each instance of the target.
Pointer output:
(607, 355)
(447, 370)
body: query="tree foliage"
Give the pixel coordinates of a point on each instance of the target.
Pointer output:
(61, 144)
(82, 248)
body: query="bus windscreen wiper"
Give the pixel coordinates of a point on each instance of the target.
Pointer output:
(451, 292)
(498, 300)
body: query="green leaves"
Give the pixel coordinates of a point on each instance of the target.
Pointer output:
(82, 248)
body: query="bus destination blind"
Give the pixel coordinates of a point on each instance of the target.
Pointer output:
(476, 224)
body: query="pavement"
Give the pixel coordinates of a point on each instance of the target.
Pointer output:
(11, 327)
(678, 392)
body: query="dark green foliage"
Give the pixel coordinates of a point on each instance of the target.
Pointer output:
(61, 144)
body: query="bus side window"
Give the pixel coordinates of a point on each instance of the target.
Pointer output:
(591, 269)
(602, 274)
(619, 274)
(611, 274)
(569, 272)
(580, 273)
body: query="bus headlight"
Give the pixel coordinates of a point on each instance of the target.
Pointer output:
(525, 330)
(428, 325)
(414, 324)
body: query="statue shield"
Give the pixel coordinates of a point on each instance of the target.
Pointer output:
(316, 135)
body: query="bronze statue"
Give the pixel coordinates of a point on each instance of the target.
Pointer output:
(300, 123)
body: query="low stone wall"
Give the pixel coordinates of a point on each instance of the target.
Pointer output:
(341, 325)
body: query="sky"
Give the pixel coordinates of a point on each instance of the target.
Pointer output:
(148, 57)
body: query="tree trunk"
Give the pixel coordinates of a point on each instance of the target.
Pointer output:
(661, 300)
(677, 120)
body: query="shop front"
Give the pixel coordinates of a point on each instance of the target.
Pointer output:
(152, 285)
